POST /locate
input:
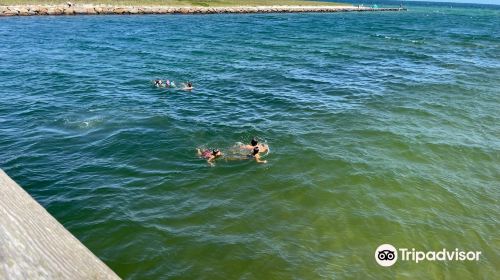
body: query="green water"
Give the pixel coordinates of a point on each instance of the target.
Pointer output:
(383, 128)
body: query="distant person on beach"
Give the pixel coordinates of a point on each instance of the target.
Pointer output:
(187, 86)
(209, 155)
(263, 148)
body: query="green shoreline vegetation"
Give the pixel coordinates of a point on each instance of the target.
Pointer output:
(176, 3)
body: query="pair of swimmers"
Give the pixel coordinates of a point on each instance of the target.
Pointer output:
(171, 84)
(254, 148)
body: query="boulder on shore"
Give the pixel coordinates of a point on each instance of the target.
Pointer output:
(120, 10)
(69, 11)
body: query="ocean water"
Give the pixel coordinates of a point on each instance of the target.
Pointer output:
(383, 128)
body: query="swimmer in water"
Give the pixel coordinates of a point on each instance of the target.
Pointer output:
(158, 83)
(263, 148)
(187, 86)
(172, 84)
(210, 156)
(255, 155)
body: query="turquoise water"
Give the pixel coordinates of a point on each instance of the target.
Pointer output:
(383, 128)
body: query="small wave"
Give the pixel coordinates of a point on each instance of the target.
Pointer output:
(83, 124)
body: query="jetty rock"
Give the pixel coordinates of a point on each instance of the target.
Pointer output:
(90, 9)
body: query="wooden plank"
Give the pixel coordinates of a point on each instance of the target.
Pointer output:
(34, 245)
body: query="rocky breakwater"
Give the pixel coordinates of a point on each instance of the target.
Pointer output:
(86, 9)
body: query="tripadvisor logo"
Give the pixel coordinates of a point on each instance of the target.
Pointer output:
(387, 255)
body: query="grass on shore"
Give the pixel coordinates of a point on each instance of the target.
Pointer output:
(204, 3)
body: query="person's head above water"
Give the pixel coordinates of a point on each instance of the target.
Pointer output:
(189, 84)
(254, 142)
(216, 152)
(255, 151)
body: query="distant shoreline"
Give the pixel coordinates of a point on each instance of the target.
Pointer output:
(92, 9)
